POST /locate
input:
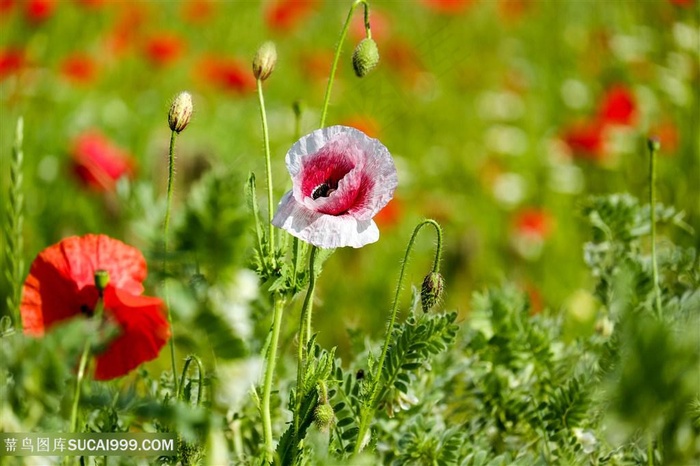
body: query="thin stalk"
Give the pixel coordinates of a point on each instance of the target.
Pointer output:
(653, 150)
(336, 58)
(200, 377)
(271, 358)
(368, 414)
(84, 358)
(171, 178)
(304, 336)
(268, 171)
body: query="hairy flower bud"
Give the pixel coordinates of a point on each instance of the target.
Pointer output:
(431, 291)
(324, 416)
(365, 57)
(264, 61)
(180, 112)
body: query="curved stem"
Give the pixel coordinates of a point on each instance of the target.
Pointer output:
(200, 380)
(171, 178)
(653, 149)
(304, 335)
(268, 171)
(338, 48)
(367, 414)
(269, 373)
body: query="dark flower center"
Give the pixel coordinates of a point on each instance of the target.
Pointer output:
(324, 189)
(86, 310)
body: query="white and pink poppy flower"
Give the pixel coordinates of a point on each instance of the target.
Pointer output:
(341, 178)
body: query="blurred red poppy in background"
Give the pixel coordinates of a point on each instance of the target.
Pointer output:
(127, 28)
(379, 24)
(667, 134)
(448, 6)
(586, 139)
(285, 15)
(227, 73)
(12, 60)
(98, 162)
(79, 68)
(618, 106)
(37, 11)
(6, 6)
(533, 222)
(390, 215)
(61, 286)
(365, 124)
(164, 48)
(198, 11)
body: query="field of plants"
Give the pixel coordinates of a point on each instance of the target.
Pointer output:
(352, 232)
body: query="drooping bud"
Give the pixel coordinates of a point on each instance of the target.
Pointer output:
(431, 291)
(365, 57)
(653, 144)
(264, 61)
(101, 280)
(180, 112)
(324, 417)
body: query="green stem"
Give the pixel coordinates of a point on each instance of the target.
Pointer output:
(368, 413)
(268, 171)
(171, 178)
(304, 336)
(200, 377)
(338, 48)
(653, 150)
(13, 227)
(269, 373)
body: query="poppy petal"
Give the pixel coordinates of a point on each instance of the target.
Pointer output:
(144, 331)
(324, 231)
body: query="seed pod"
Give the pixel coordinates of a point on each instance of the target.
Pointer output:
(265, 61)
(180, 112)
(101, 280)
(431, 291)
(365, 57)
(324, 416)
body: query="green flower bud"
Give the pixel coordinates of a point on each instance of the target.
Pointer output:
(324, 416)
(180, 112)
(264, 61)
(431, 291)
(365, 57)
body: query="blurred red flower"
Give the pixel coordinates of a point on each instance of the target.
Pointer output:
(390, 215)
(618, 106)
(667, 134)
(316, 64)
(533, 222)
(6, 6)
(37, 11)
(448, 6)
(198, 11)
(285, 15)
(127, 28)
(512, 10)
(98, 162)
(61, 286)
(12, 60)
(586, 139)
(379, 24)
(227, 73)
(164, 48)
(364, 123)
(79, 68)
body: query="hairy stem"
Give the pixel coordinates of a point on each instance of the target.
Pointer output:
(200, 377)
(171, 178)
(268, 171)
(13, 227)
(653, 150)
(336, 58)
(278, 308)
(368, 413)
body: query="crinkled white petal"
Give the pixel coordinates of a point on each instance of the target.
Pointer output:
(324, 231)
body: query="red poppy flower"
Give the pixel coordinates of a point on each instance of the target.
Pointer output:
(39, 10)
(127, 28)
(667, 134)
(61, 286)
(198, 11)
(6, 6)
(533, 222)
(79, 69)
(98, 162)
(390, 215)
(586, 140)
(228, 74)
(618, 106)
(448, 6)
(11, 61)
(164, 48)
(284, 15)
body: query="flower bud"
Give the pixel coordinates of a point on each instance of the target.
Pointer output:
(324, 416)
(180, 112)
(365, 57)
(264, 61)
(101, 280)
(431, 291)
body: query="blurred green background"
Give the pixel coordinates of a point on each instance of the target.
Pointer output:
(502, 117)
